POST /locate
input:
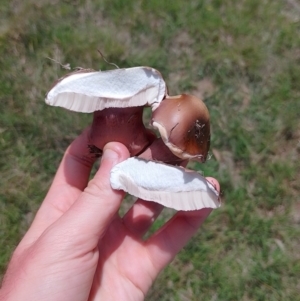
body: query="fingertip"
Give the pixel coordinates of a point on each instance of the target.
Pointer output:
(115, 151)
(214, 182)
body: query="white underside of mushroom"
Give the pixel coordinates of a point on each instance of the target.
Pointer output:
(171, 186)
(92, 91)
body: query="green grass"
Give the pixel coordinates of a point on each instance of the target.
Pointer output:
(243, 57)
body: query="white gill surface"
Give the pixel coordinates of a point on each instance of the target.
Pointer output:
(120, 88)
(171, 186)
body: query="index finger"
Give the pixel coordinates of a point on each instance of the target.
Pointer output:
(70, 180)
(72, 175)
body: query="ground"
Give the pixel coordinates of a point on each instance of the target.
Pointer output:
(241, 57)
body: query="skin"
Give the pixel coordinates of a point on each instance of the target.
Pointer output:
(78, 247)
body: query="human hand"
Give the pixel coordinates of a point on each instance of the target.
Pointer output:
(79, 248)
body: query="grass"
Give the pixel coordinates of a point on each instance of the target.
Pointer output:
(242, 57)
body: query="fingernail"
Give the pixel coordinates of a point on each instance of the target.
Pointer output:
(109, 154)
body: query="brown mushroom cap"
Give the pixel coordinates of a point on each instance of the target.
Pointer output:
(183, 123)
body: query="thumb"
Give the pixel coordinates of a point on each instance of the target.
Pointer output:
(90, 215)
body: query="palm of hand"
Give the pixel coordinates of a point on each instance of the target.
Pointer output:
(78, 248)
(128, 265)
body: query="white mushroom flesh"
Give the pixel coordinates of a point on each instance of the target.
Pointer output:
(173, 187)
(120, 88)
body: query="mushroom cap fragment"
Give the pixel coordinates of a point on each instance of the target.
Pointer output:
(183, 123)
(87, 91)
(173, 187)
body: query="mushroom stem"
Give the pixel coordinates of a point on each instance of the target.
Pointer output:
(124, 125)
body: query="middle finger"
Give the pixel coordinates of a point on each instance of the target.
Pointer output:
(141, 216)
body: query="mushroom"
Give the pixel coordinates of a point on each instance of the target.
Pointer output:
(88, 91)
(183, 123)
(171, 186)
(117, 98)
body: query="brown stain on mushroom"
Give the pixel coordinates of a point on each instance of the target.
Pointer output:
(198, 137)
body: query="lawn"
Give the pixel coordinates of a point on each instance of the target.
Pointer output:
(241, 57)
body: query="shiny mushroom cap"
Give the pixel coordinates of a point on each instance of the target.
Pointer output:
(183, 123)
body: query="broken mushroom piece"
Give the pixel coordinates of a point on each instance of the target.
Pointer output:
(116, 98)
(173, 187)
(88, 91)
(183, 123)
